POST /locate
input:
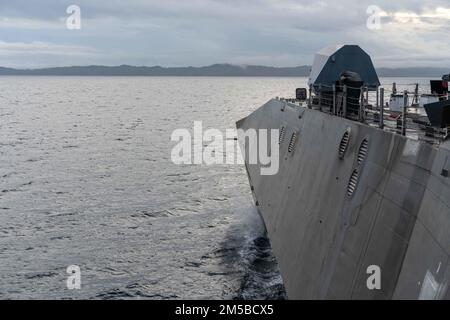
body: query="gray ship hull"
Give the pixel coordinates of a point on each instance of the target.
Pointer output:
(328, 224)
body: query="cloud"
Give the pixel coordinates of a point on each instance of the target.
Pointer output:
(37, 47)
(37, 54)
(27, 23)
(200, 32)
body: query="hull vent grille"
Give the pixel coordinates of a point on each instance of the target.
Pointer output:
(282, 134)
(292, 142)
(353, 183)
(344, 144)
(363, 149)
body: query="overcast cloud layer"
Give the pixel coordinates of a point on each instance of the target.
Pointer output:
(203, 32)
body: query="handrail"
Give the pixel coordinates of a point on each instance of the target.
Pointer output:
(369, 104)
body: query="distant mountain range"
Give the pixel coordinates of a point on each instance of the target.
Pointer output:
(223, 70)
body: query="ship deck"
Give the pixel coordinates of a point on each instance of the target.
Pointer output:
(417, 124)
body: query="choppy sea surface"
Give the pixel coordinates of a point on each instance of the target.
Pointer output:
(86, 179)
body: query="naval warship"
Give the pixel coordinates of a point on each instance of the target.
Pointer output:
(363, 184)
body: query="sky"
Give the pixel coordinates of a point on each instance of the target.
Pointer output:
(34, 34)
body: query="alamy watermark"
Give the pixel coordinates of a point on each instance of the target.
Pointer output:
(73, 21)
(374, 280)
(213, 147)
(374, 20)
(74, 279)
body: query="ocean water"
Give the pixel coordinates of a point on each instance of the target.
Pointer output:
(86, 179)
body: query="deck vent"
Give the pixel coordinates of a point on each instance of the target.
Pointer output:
(344, 144)
(363, 149)
(282, 134)
(353, 182)
(292, 142)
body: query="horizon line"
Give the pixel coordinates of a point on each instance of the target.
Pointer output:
(243, 66)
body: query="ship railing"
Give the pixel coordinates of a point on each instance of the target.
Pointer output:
(371, 105)
(341, 100)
